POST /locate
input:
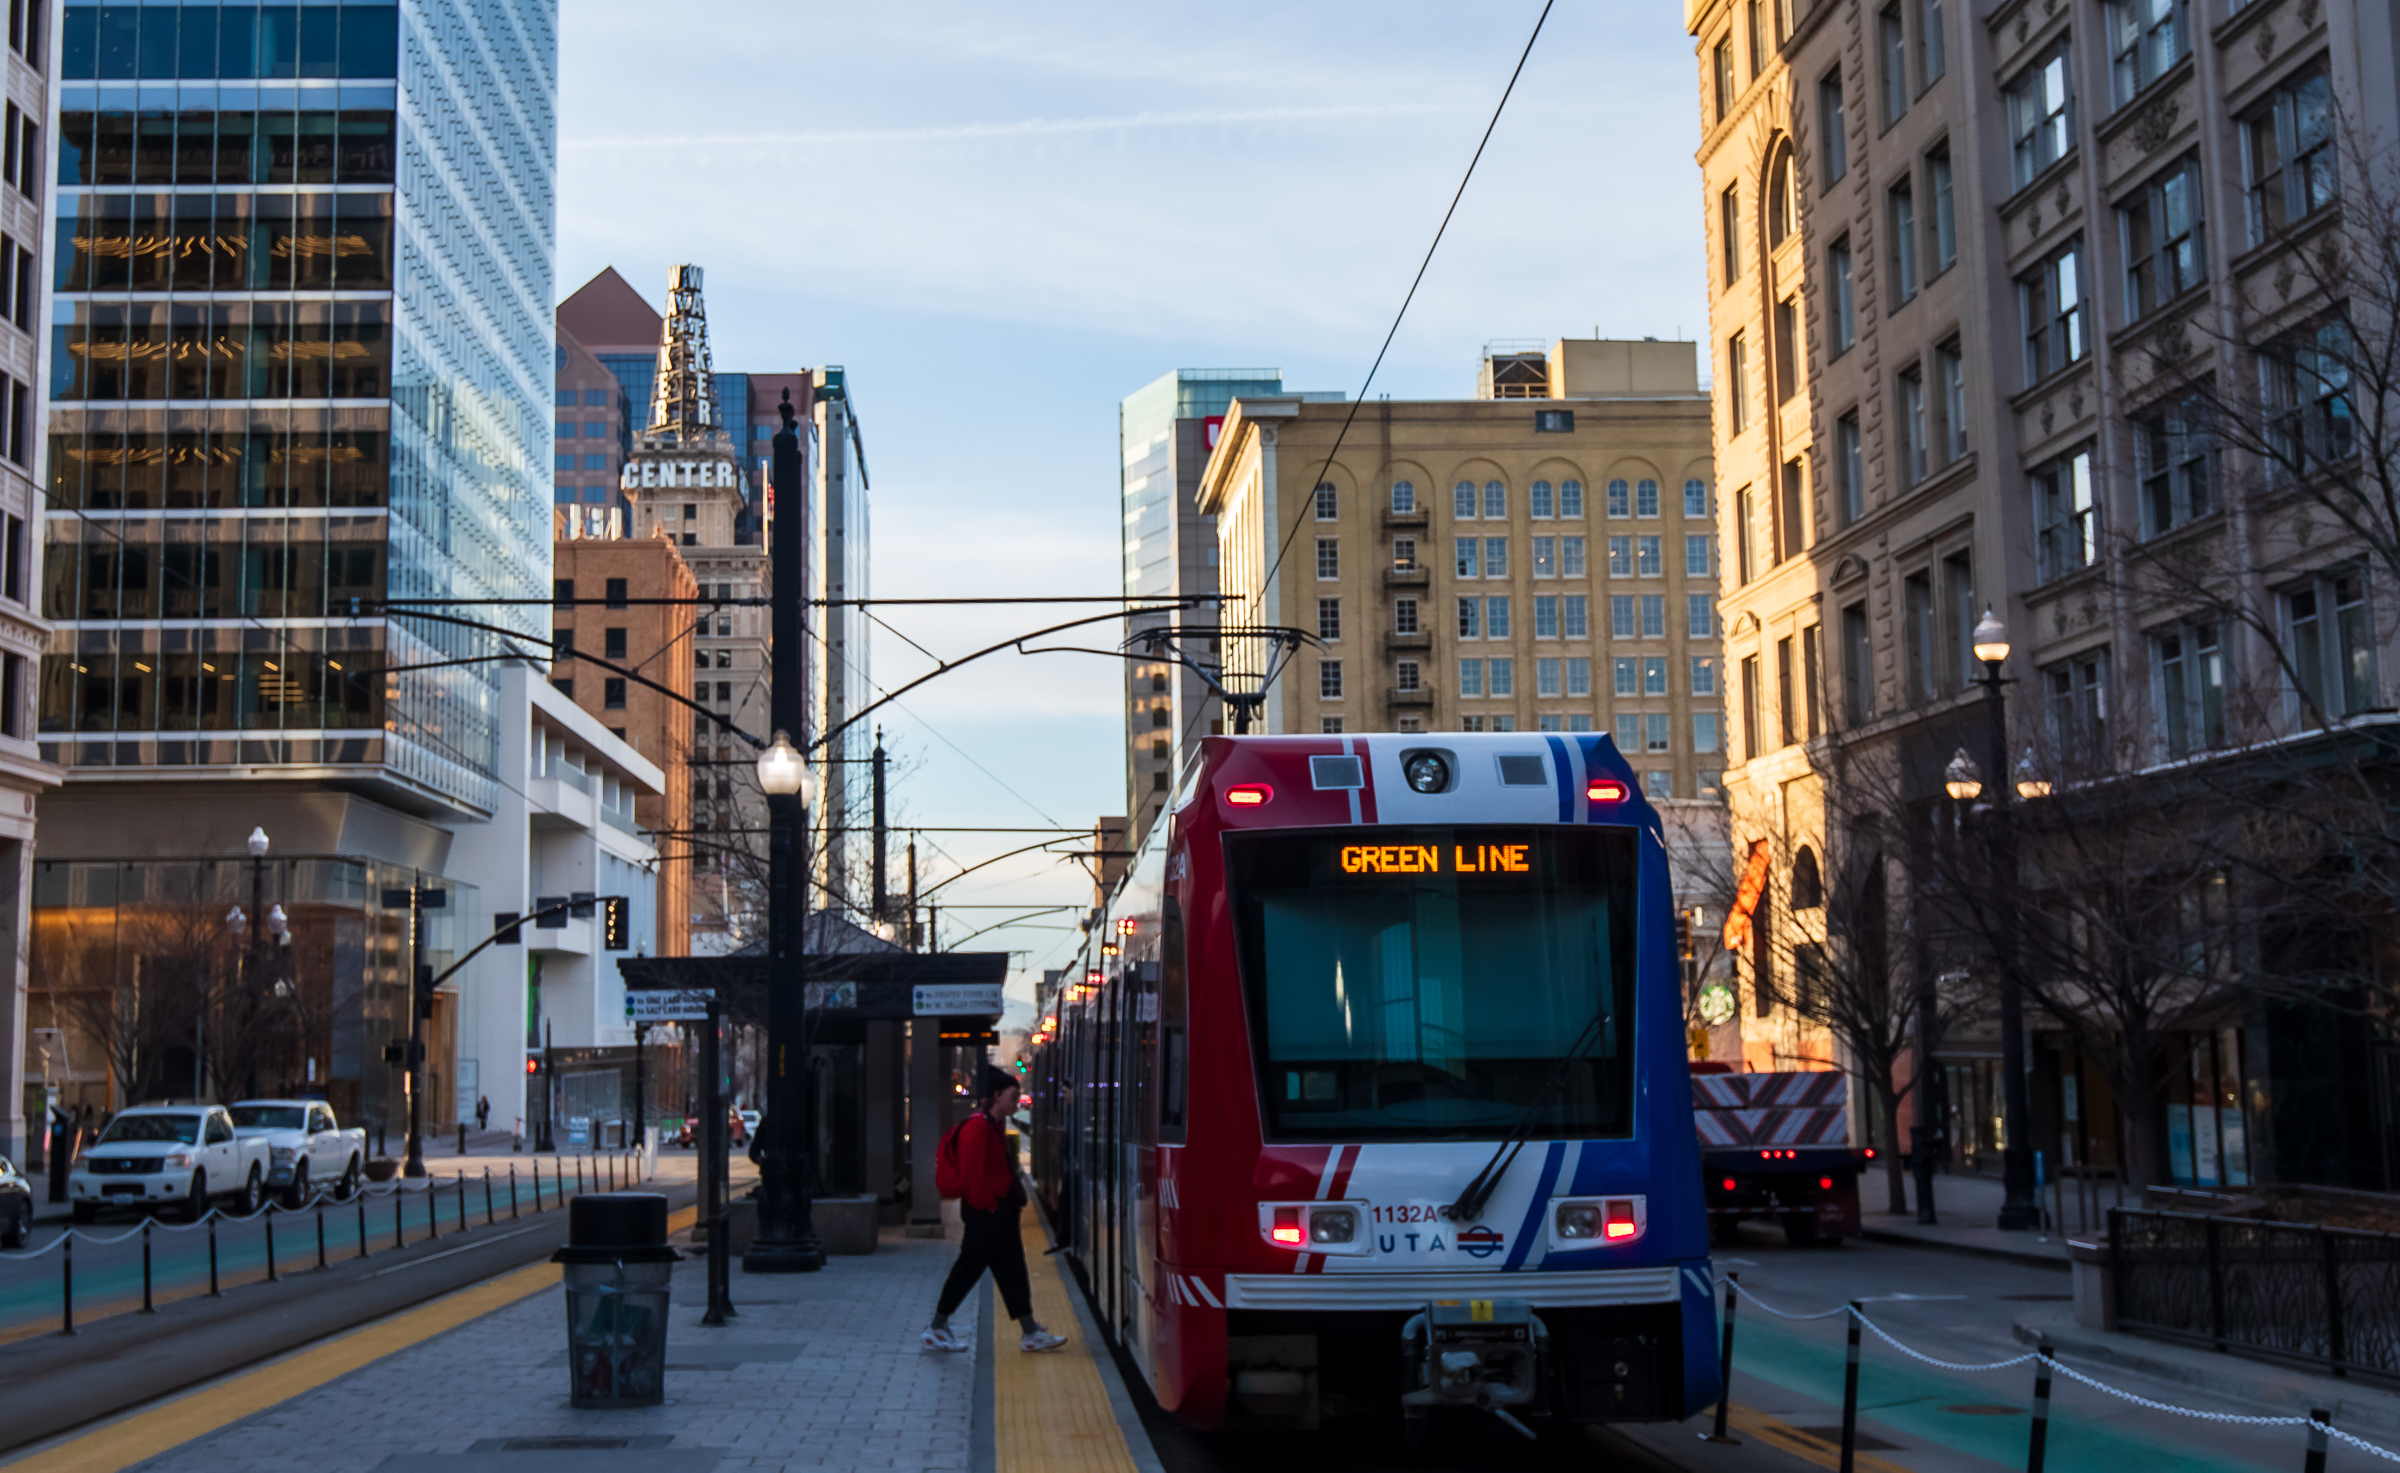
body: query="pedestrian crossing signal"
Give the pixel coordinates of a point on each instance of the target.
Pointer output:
(616, 923)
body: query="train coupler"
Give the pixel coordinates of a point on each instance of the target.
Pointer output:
(1488, 1354)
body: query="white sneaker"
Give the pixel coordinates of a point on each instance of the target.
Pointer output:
(1039, 1340)
(938, 1337)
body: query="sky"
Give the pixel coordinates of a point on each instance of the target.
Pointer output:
(1002, 220)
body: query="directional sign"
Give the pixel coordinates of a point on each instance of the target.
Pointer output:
(941, 1000)
(833, 995)
(651, 1006)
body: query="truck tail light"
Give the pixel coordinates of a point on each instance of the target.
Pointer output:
(1731, 1185)
(1824, 1183)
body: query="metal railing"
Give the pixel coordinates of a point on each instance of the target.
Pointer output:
(2294, 1292)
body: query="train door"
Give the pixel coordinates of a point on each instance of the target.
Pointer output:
(1104, 1137)
(1129, 1173)
(1141, 1226)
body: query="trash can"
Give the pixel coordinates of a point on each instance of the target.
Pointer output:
(617, 1264)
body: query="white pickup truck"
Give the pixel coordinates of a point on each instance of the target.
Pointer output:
(156, 1154)
(304, 1146)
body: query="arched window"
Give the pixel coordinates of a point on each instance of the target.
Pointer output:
(1495, 499)
(1783, 207)
(1404, 497)
(1462, 499)
(1570, 498)
(1620, 499)
(1808, 882)
(1538, 498)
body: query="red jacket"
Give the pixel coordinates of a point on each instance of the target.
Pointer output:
(991, 1177)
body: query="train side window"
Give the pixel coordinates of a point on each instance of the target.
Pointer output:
(1173, 1064)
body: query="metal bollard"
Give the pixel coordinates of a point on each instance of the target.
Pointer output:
(269, 1220)
(537, 1184)
(1850, 1395)
(399, 1224)
(361, 1199)
(462, 1137)
(320, 1232)
(489, 1217)
(579, 1176)
(148, 1307)
(213, 1292)
(512, 1191)
(433, 1211)
(460, 1184)
(66, 1284)
(2318, 1420)
(2041, 1409)
(1725, 1367)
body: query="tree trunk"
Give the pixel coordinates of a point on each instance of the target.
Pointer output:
(2138, 1108)
(1895, 1180)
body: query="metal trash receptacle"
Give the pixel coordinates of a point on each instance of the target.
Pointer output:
(616, 1266)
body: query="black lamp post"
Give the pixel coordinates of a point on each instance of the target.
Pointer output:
(787, 1234)
(2019, 1211)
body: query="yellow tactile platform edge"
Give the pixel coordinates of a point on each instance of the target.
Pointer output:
(1050, 1413)
(194, 1414)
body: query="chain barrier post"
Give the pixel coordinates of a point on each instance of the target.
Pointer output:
(148, 1307)
(1725, 1366)
(459, 1184)
(512, 1191)
(433, 1210)
(213, 1291)
(2318, 1419)
(361, 1199)
(579, 1176)
(2035, 1450)
(272, 1276)
(489, 1217)
(537, 1185)
(66, 1284)
(1850, 1393)
(399, 1224)
(320, 1231)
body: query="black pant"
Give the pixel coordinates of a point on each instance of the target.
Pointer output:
(992, 1240)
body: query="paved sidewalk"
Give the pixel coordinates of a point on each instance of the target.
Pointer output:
(2264, 1387)
(1968, 1207)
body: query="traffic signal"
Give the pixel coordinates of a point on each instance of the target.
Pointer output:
(533, 1066)
(616, 923)
(1683, 935)
(424, 989)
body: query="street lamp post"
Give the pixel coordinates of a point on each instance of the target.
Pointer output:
(787, 1234)
(2019, 1211)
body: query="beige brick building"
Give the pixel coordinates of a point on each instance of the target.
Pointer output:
(1541, 558)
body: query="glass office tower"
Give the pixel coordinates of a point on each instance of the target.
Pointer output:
(300, 354)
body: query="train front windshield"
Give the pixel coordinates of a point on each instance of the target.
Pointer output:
(1438, 983)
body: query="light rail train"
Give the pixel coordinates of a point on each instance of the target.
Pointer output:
(1367, 1095)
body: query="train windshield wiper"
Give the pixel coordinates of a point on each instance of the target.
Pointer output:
(1470, 1203)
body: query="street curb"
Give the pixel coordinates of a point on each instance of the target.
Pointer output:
(2264, 1386)
(1967, 1250)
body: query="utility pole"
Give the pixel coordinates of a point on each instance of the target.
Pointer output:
(417, 1006)
(787, 1234)
(914, 940)
(882, 834)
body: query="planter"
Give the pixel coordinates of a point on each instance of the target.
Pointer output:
(382, 1168)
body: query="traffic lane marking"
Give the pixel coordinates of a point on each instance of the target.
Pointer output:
(1807, 1446)
(213, 1406)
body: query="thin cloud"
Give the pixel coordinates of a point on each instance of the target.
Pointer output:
(1021, 128)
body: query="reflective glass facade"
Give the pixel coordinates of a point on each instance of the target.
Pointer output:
(301, 347)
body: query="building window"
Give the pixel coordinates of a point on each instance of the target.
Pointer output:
(2332, 647)
(1704, 675)
(1892, 43)
(2050, 304)
(1729, 232)
(1850, 467)
(1791, 519)
(2288, 162)
(2063, 514)
(1918, 639)
(2173, 452)
(1462, 500)
(1628, 676)
(1404, 616)
(1912, 425)
(1960, 667)
(1654, 675)
(1495, 617)
(612, 694)
(1629, 732)
(564, 687)
(1463, 556)
(1404, 554)
(1933, 55)
(1553, 421)
(1570, 556)
(1404, 498)
(1858, 667)
(1901, 207)
(1750, 703)
(2160, 228)
(1329, 618)
(1950, 378)
(1545, 616)
(1700, 615)
(1620, 499)
(1620, 616)
(1328, 504)
(1495, 557)
(2190, 663)
(1326, 725)
(2041, 123)
(1545, 557)
(1538, 500)
(1570, 499)
(2145, 38)
(1755, 20)
(1405, 673)
(1578, 616)
(1745, 559)
(1845, 312)
(612, 593)
(1695, 498)
(1470, 618)
(1645, 498)
(1329, 557)
(2075, 707)
(1495, 500)
(2304, 383)
(1783, 212)
(1579, 675)
(1737, 382)
(1704, 731)
(1659, 729)
(612, 643)
(1649, 557)
(1721, 64)
(1787, 349)
(1697, 560)
(1503, 678)
(1654, 616)
(1945, 210)
(1786, 708)
(1329, 679)
(1812, 677)
(1470, 677)
(1545, 676)
(1833, 136)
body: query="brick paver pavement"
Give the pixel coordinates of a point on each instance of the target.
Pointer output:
(816, 1371)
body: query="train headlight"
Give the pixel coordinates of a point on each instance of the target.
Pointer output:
(1587, 1222)
(1333, 1225)
(1579, 1219)
(1427, 772)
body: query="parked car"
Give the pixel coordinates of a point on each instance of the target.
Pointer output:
(749, 1126)
(16, 1206)
(304, 1146)
(151, 1155)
